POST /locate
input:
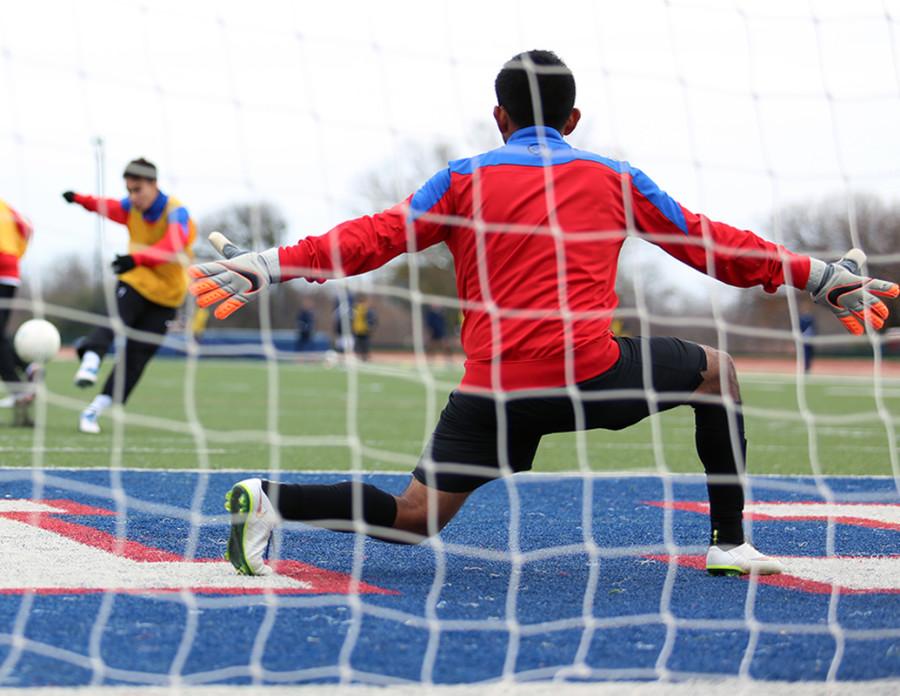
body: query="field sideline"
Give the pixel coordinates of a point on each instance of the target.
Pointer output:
(253, 415)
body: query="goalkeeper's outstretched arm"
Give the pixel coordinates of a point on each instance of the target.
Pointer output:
(353, 247)
(743, 259)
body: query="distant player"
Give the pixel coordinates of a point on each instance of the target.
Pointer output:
(306, 324)
(15, 233)
(362, 323)
(152, 281)
(535, 228)
(436, 324)
(808, 335)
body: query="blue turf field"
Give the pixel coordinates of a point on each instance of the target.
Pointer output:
(303, 637)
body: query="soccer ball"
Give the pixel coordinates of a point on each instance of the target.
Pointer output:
(37, 340)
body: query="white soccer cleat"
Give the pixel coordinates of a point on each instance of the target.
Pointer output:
(253, 518)
(740, 560)
(86, 377)
(87, 423)
(87, 370)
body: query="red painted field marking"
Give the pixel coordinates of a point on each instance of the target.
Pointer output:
(314, 580)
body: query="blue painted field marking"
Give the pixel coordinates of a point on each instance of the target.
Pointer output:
(143, 632)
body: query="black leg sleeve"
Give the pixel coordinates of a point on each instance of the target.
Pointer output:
(331, 506)
(9, 361)
(97, 341)
(723, 459)
(136, 357)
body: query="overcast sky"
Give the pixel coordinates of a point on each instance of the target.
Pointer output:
(732, 107)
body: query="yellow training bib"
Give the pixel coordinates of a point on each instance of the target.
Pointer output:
(165, 284)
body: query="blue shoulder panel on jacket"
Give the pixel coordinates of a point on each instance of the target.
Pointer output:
(126, 204)
(429, 194)
(659, 198)
(531, 147)
(533, 155)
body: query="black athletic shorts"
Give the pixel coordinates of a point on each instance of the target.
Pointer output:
(464, 451)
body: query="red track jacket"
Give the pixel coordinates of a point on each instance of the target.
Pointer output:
(535, 229)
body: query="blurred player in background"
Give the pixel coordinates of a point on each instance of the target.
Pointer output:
(15, 233)
(436, 323)
(152, 281)
(199, 322)
(808, 334)
(306, 324)
(512, 218)
(362, 324)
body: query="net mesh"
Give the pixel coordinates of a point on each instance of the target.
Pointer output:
(741, 109)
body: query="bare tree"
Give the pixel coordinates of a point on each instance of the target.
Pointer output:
(823, 229)
(258, 225)
(829, 228)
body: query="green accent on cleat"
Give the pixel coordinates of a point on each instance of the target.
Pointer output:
(238, 502)
(729, 571)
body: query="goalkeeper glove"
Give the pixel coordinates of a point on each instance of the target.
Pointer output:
(123, 264)
(236, 280)
(852, 297)
(69, 196)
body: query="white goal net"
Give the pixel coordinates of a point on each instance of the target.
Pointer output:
(274, 121)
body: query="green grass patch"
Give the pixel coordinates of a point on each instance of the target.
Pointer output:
(253, 415)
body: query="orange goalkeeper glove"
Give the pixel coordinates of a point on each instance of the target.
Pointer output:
(236, 280)
(852, 297)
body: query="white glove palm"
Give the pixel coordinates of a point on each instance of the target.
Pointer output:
(852, 297)
(236, 280)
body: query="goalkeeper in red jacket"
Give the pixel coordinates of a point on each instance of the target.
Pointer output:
(535, 228)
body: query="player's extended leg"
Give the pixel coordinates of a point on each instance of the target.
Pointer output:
(722, 448)
(142, 315)
(94, 347)
(685, 373)
(461, 456)
(257, 505)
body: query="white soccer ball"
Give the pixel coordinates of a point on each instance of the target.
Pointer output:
(37, 340)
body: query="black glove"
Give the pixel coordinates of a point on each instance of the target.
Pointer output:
(69, 196)
(123, 264)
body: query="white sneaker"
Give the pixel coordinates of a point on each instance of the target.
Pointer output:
(740, 560)
(86, 377)
(87, 423)
(252, 519)
(87, 370)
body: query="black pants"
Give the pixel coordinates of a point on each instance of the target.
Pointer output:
(468, 432)
(11, 364)
(361, 344)
(470, 445)
(137, 312)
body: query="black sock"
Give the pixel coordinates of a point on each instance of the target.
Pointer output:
(716, 450)
(331, 506)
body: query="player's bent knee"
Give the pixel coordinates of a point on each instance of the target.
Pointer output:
(418, 521)
(720, 375)
(424, 512)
